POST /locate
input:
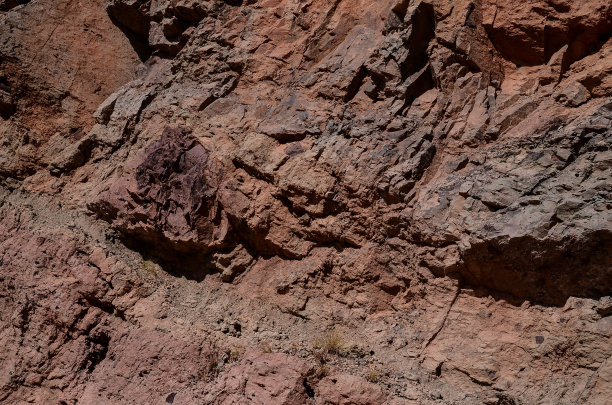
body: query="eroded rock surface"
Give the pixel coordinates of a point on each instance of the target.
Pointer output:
(286, 202)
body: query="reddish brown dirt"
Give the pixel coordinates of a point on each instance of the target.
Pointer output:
(305, 202)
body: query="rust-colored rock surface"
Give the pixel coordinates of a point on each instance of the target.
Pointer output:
(306, 202)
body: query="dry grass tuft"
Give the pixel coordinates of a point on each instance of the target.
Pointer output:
(321, 371)
(211, 364)
(373, 374)
(234, 354)
(332, 342)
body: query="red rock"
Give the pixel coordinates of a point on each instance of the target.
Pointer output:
(262, 378)
(346, 202)
(349, 390)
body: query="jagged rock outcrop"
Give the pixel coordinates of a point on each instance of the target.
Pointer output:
(346, 202)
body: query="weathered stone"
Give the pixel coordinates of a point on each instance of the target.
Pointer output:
(346, 202)
(574, 95)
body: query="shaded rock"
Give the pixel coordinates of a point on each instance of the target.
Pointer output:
(6, 5)
(522, 36)
(574, 95)
(169, 200)
(7, 107)
(233, 263)
(74, 156)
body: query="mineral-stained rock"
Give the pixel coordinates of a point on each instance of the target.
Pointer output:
(175, 183)
(6, 5)
(306, 202)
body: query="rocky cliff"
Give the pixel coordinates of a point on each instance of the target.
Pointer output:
(306, 202)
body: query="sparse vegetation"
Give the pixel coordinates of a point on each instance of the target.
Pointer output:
(211, 364)
(321, 371)
(332, 342)
(234, 354)
(149, 267)
(320, 356)
(373, 374)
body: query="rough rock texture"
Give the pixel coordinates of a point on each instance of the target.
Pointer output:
(306, 202)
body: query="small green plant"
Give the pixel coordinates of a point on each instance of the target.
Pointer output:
(331, 343)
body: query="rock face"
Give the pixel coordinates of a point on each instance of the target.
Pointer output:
(306, 202)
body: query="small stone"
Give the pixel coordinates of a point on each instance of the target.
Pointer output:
(573, 95)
